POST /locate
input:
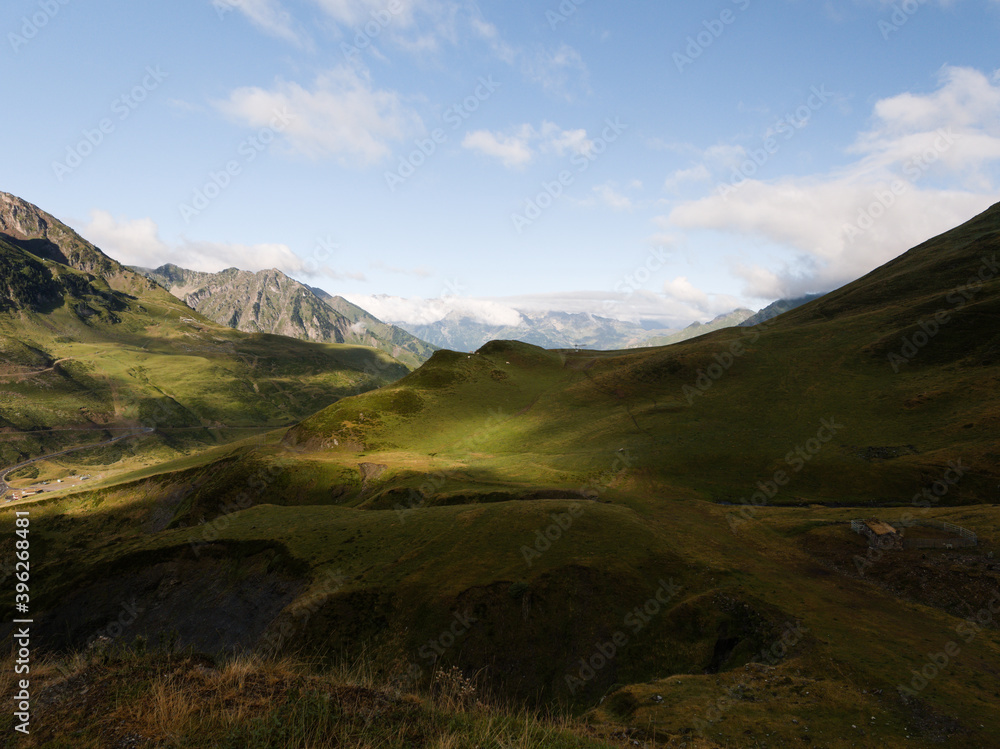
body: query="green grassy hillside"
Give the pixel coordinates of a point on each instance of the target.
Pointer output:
(657, 539)
(86, 344)
(721, 413)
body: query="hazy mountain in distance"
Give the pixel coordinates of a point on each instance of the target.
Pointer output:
(551, 330)
(363, 322)
(270, 302)
(777, 308)
(695, 329)
(461, 331)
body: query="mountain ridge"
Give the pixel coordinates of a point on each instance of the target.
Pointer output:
(86, 343)
(776, 308)
(534, 505)
(270, 301)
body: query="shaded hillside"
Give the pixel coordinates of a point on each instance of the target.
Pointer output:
(718, 421)
(271, 302)
(661, 536)
(86, 343)
(27, 227)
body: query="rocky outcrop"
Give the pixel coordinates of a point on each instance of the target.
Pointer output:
(270, 302)
(31, 229)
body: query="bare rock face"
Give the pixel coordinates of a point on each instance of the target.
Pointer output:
(268, 301)
(20, 219)
(29, 228)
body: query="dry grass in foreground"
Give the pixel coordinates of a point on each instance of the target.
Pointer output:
(122, 700)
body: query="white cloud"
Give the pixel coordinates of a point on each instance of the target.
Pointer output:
(485, 29)
(610, 195)
(375, 20)
(342, 116)
(559, 71)
(269, 16)
(562, 142)
(418, 27)
(662, 309)
(138, 242)
(684, 291)
(725, 155)
(355, 12)
(612, 198)
(518, 148)
(696, 173)
(939, 150)
(667, 310)
(427, 311)
(512, 150)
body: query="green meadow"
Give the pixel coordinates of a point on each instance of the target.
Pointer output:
(645, 546)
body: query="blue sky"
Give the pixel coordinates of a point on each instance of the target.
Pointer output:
(642, 160)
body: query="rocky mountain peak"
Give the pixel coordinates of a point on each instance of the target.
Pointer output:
(20, 219)
(29, 227)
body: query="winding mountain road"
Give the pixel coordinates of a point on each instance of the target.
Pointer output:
(5, 487)
(33, 372)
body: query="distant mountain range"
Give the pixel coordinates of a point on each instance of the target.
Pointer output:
(777, 308)
(551, 330)
(695, 329)
(564, 330)
(270, 302)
